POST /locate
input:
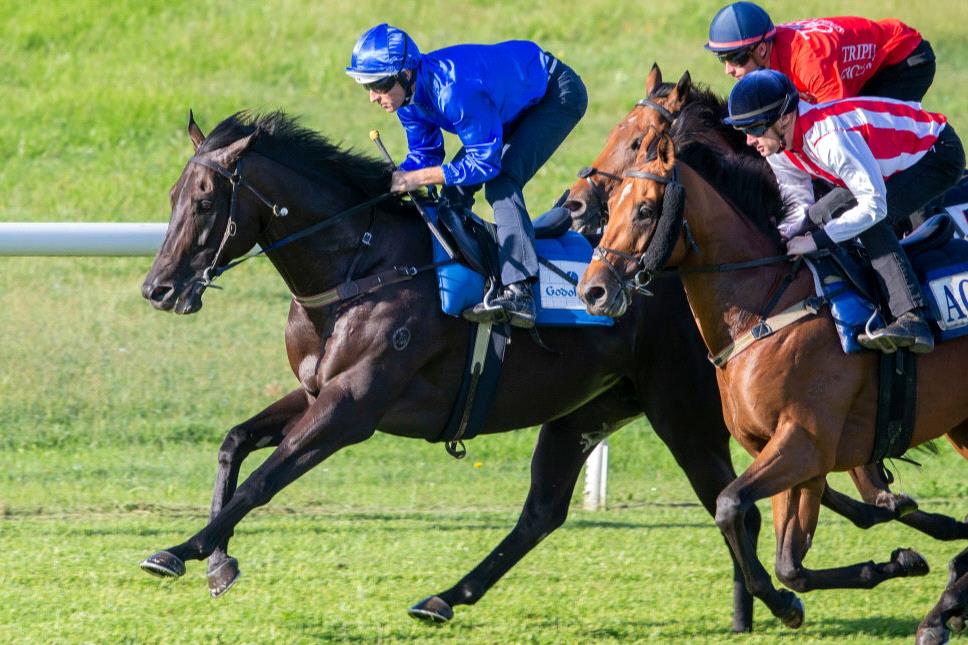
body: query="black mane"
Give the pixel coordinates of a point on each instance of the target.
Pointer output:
(742, 177)
(284, 140)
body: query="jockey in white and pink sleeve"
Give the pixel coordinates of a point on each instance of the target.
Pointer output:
(857, 144)
(892, 156)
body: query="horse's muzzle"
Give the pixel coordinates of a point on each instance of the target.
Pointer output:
(602, 295)
(167, 296)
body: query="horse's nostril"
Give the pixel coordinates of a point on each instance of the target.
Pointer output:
(161, 293)
(594, 294)
(575, 206)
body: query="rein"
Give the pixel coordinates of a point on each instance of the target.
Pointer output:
(349, 288)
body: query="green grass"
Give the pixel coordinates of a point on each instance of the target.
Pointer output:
(111, 413)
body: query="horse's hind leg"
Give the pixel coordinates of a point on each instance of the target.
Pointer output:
(951, 611)
(562, 447)
(952, 608)
(264, 430)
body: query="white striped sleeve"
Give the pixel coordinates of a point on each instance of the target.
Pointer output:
(796, 187)
(846, 155)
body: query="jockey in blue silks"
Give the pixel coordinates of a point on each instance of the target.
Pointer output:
(511, 104)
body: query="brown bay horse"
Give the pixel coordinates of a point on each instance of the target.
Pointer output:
(701, 122)
(792, 399)
(354, 378)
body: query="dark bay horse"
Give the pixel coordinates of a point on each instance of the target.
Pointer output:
(354, 378)
(693, 116)
(792, 399)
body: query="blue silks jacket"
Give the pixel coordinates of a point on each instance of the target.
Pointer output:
(473, 91)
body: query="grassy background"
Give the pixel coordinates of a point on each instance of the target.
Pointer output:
(111, 413)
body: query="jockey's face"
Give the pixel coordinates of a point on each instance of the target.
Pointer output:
(779, 136)
(391, 99)
(742, 63)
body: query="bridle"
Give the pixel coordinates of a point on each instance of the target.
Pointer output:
(641, 276)
(346, 290)
(645, 266)
(587, 172)
(238, 181)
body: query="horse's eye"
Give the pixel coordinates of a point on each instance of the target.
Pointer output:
(645, 211)
(636, 143)
(205, 205)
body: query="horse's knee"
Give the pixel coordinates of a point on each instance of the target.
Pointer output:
(537, 523)
(729, 511)
(230, 445)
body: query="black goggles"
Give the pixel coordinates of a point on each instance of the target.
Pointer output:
(737, 57)
(381, 85)
(755, 129)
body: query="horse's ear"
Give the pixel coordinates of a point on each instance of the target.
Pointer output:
(654, 80)
(665, 151)
(231, 153)
(194, 131)
(683, 87)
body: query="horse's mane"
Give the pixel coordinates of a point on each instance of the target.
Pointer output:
(742, 177)
(284, 140)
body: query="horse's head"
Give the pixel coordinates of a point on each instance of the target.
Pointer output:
(212, 222)
(644, 232)
(588, 197)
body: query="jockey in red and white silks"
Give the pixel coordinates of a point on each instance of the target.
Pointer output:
(855, 143)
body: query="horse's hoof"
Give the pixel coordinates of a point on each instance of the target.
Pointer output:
(432, 609)
(223, 577)
(792, 616)
(164, 565)
(911, 562)
(931, 636)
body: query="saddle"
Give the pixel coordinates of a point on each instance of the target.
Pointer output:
(940, 260)
(476, 239)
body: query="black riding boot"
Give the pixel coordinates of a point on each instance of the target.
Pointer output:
(910, 330)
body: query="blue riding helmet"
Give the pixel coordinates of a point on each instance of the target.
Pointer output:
(760, 98)
(739, 25)
(381, 52)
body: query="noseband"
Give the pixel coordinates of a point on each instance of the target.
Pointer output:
(588, 172)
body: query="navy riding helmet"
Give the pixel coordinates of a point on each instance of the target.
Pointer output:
(740, 25)
(759, 99)
(382, 52)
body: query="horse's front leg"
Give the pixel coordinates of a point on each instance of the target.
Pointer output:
(873, 490)
(563, 446)
(264, 430)
(345, 412)
(795, 514)
(787, 459)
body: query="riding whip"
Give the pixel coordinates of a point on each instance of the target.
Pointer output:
(375, 138)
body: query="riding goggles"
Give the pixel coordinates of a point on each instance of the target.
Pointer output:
(382, 85)
(738, 57)
(756, 129)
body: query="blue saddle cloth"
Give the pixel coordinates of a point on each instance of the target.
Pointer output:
(557, 302)
(941, 263)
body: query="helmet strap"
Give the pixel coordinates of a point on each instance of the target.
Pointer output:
(407, 83)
